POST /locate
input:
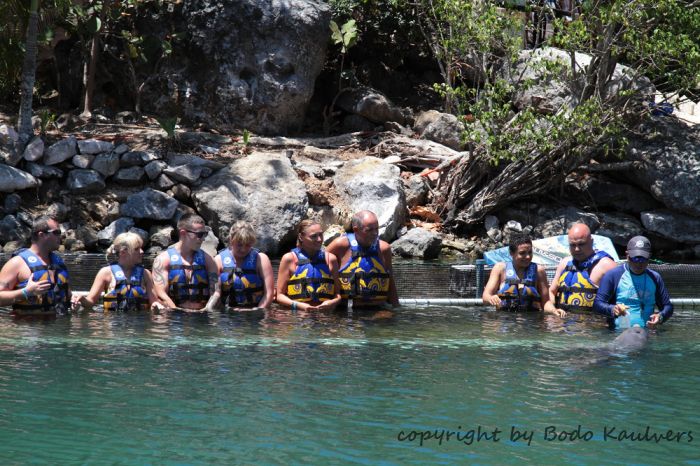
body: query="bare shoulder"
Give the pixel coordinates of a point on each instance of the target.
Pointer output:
(12, 265)
(384, 246)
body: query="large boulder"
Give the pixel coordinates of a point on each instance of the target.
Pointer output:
(550, 91)
(673, 226)
(94, 146)
(263, 189)
(114, 229)
(670, 156)
(239, 66)
(616, 196)
(11, 229)
(619, 228)
(372, 105)
(15, 180)
(34, 150)
(443, 128)
(371, 184)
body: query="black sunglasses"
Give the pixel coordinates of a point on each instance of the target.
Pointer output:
(198, 234)
(56, 232)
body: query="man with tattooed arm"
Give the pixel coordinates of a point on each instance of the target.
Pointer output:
(184, 276)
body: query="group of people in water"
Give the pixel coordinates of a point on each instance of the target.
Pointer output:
(353, 267)
(629, 294)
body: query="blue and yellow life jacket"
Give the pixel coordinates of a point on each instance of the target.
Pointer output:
(576, 291)
(56, 300)
(241, 286)
(179, 290)
(520, 294)
(364, 278)
(127, 295)
(312, 281)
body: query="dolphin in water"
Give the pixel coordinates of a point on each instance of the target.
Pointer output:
(630, 340)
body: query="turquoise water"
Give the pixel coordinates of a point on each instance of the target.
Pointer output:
(291, 389)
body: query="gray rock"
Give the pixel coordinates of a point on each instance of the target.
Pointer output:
(13, 246)
(154, 168)
(150, 203)
(59, 211)
(12, 203)
(121, 225)
(491, 222)
(15, 180)
(672, 225)
(239, 67)
(9, 154)
(372, 105)
(443, 128)
(262, 189)
(181, 192)
(512, 226)
(619, 228)
(8, 135)
(210, 245)
(418, 242)
(163, 183)
(671, 164)
(161, 235)
(615, 196)
(133, 159)
(132, 176)
(121, 148)
(85, 181)
(82, 160)
(416, 189)
(11, 229)
(44, 171)
(356, 123)
(34, 150)
(175, 160)
(560, 220)
(104, 209)
(94, 146)
(106, 164)
(184, 173)
(60, 151)
(370, 184)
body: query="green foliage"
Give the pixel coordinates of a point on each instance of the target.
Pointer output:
(168, 124)
(48, 119)
(246, 137)
(345, 36)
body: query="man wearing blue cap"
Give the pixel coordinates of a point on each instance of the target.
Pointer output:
(628, 293)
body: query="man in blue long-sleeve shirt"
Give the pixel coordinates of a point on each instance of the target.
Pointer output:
(628, 293)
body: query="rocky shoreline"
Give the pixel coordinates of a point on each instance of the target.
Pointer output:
(106, 178)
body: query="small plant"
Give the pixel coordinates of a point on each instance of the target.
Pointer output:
(48, 119)
(245, 142)
(346, 37)
(168, 125)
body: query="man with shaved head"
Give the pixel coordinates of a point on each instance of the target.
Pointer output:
(365, 270)
(576, 280)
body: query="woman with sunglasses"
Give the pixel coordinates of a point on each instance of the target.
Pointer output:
(126, 285)
(629, 293)
(308, 276)
(35, 281)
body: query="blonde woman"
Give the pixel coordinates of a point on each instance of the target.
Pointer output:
(126, 285)
(246, 276)
(308, 276)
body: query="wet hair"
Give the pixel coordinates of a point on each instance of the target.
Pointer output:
(303, 226)
(242, 232)
(518, 240)
(128, 241)
(41, 223)
(187, 221)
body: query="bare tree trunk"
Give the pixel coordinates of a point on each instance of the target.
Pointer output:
(89, 79)
(28, 75)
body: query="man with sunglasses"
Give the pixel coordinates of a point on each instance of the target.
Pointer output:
(576, 280)
(35, 281)
(365, 270)
(629, 293)
(184, 276)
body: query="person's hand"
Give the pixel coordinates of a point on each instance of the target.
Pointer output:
(495, 300)
(654, 320)
(156, 306)
(619, 310)
(75, 300)
(559, 312)
(325, 306)
(37, 288)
